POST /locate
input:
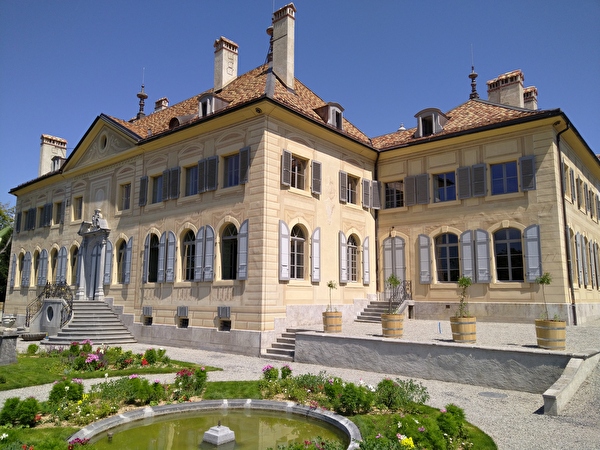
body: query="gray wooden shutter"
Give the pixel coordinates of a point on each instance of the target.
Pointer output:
(366, 193)
(165, 185)
(565, 174)
(422, 183)
(212, 175)
(479, 180)
(343, 186)
(592, 265)
(284, 251)
(108, 256)
(286, 168)
(388, 258)
(424, 260)
(146, 259)
(366, 262)
(527, 164)
(199, 261)
(62, 265)
(143, 191)
(26, 274)
(399, 258)
(162, 250)
(578, 257)
(376, 195)
(466, 254)
(482, 257)
(202, 176)
(343, 258)
(209, 253)
(171, 258)
(243, 251)
(316, 177)
(244, 164)
(13, 269)
(18, 222)
(128, 255)
(533, 256)
(597, 259)
(315, 252)
(174, 175)
(584, 261)
(463, 176)
(410, 190)
(573, 191)
(43, 269)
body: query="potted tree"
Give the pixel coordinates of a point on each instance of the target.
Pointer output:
(332, 318)
(550, 333)
(463, 324)
(392, 321)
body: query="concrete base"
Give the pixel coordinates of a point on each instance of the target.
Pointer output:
(8, 349)
(218, 435)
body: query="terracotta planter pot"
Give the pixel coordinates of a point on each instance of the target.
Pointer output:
(332, 322)
(392, 325)
(464, 329)
(551, 334)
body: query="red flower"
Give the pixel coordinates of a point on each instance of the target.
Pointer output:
(144, 362)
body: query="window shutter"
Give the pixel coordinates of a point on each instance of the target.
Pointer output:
(62, 212)
(18, 222)
(597, 259)
(410, 190)
(162, 249)
(32, 214)
(366, 262)
(422, 183)
(586, 197)
(286, 168)
(343, 258)
(578, 257)
(592, 265)
(26, 274)
(424, 260)
(565, 172)
(202, 176)
(143, 191)
(171, 258)
(376, 195)
(573, 191)
(316, 177)
(47, 214)
(527, 164)
(128, 254)
(212, 166)
(209, 253)
(399, 262)
(463, 175)
(466, 253)
(243, 251)
(343, 186)
(165, 185)
(244, 164)
(533, 256)
(78, 269)
(62, 265)
(388, 259)
(584, 259)
(108, 254)
(366, 193)
(482, 257)
(284, 251)
(315, 252)
(174, 175)
(479, 180)
(13, 268)
(43, 269)
(199, 260)
(146, 259)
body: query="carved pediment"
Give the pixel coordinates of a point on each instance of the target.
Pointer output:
(107, 143)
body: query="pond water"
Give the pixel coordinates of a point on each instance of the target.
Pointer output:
(254, 430)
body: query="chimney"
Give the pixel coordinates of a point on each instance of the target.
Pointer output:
(161, 103)
(283, 44)
(226, 62)
(530, 98)
(50, 148)
(507, 89)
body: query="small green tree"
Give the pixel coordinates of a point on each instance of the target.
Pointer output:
(463, 306)
(544, 280)
(393, 284)
(6, 230)
(331, 285)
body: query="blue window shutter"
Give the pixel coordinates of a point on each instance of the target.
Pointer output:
(62, 265)
(199, 261)
(286, 168)
(108, 256)
(482, 257)
(244, 165)
(376, 195)
(463, 176)
(466, 254)
(171, 258)
(13, 268)
(410, 190)
(128, 254)
(316, 177)
(424, 260)
(43, 269)
(343, 258)
(146, 259)
(212, 174)
(209, 253)
(315, 252)
(366, 262)
(243, 251)
(533, 256)
(399, 260)
(527, 164)
(479, 180)
(366, 193)
(284, 251)
(343, 186)
(143, 191)
(25, 275)
(422, 183)
(162, 250)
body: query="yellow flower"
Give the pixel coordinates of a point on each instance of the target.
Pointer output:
(407, 442)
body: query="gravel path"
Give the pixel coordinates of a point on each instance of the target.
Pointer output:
(512, 418)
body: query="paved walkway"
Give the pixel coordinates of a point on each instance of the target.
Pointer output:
(512, 418)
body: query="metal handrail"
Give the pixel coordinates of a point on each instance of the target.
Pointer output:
(57, 290)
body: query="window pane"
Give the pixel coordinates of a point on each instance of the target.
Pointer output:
(191, 180)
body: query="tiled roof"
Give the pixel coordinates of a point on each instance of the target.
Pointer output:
(473, 114)
(245, 88)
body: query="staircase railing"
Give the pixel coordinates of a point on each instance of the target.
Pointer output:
(401, 293)
(57, 290)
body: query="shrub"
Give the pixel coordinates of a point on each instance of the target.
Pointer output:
(270, 372)
(400, 395)
(189, 383)
(74, 348)
(151, 356)
(8, 415)
(355, 399)
(313, 383)
(32, 349)
(26, 412)
(65, 391)
(286, 371)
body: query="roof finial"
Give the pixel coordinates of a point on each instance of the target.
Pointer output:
(142, 96)
(473, 76)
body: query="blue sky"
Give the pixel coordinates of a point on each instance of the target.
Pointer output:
(62, 63)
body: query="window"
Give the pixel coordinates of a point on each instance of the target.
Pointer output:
(125, 197)
(509, 255)
(191, 180)
(427, 125)
(504, 178)
(297, 175)
(231, 175)
(41, 217)
(394, 194)
(153, 259)
(121, 259)
(445, 187)
(189, 256)
(297, 253)
(58, 213)
(74, 258)
(352, 249)
(348, 188)
(229, 243)
(53, 265)
(446, 257)
(157, 189)
(77, 208)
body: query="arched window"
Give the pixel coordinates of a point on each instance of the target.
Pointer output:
(153, 259)
(53, 264)
(74, 257)
(446, 257)
(508, 250)
(121, 258)
(229, 251)
(189, 256)
(352, 248)
(297, 253)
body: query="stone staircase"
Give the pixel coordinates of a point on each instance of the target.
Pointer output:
(372, 313)
(93, 320)
(284, 347)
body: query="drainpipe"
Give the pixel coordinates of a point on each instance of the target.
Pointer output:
(375, 177)
(567, 236)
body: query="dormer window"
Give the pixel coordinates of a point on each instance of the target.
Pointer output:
(430, 121)
(332, 113)
(206, 106)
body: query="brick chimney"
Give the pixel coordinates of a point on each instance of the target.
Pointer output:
(507, 89)
(161, 103)
(50, 148)
(226, 62)
(283, 44)
(530, 98)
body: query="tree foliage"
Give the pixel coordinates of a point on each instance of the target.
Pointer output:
(6, 223)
